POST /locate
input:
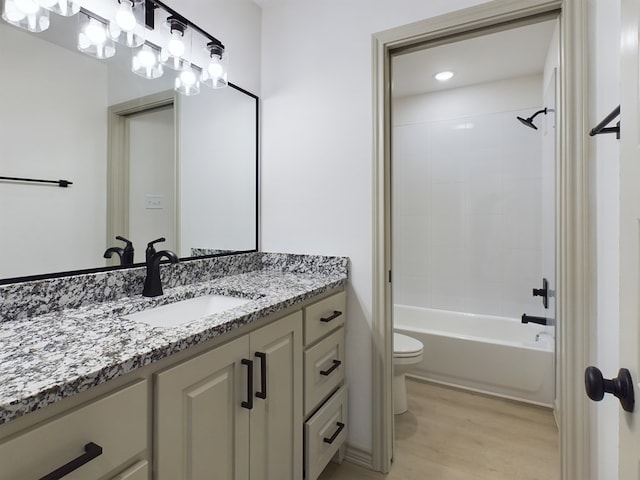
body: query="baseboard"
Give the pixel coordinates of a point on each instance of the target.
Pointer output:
(360, 457)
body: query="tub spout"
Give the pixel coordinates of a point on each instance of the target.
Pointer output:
(539, 320)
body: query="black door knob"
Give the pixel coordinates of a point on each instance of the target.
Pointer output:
(621, 386)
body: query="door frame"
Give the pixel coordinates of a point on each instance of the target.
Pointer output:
(575, 234)
(118, 161)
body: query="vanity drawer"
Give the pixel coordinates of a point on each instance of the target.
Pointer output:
(324, 434)
(323, 369)
(116, 422)
(324, 317)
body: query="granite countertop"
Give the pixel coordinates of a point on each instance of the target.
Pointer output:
(48, 357)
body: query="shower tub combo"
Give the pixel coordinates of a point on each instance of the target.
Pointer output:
(494, 355)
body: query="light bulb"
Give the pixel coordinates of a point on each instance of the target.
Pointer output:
(28, 7)
(176, 46)
(215, 69)
(146, 58)
(188, 78)
(125, 18)
(145, 63)
(95, 32)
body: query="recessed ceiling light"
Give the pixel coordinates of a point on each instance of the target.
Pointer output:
(444, 76)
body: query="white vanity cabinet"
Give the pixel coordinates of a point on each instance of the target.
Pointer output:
(114, 427)
(325, 392)
(234, 412)
(269, 404)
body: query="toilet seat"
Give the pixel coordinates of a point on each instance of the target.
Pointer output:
(405, 346)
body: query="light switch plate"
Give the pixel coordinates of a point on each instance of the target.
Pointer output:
(153, 202)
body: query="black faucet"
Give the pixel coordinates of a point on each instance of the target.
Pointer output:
(125, 254)
(152, 284)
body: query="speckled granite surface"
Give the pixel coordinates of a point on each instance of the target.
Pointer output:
(50, 354)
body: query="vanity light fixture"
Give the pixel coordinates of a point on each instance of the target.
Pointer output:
(66, 8)
(215, 73)
(146, 62)
(188, 81)
(128, 23)
(93, 38)
(177, 50)
(443, 76)
(132, 23)
(26, 14)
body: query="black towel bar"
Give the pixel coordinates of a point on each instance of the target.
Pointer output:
(60, 183)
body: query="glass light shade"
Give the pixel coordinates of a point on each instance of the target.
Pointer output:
(93, 38)
(176, 52)
(128, 23)
(188, 81)
(25, 14)
(215, 73)
(66, 8)
(146, 63)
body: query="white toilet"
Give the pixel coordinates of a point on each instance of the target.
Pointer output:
(407, 352)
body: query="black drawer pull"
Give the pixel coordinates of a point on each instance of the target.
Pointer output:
(333, 316)
(340, 426)
(91, 450)
(336, 364)
(263, 375)
(249, 403)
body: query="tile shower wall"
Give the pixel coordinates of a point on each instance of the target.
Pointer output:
(467, 214)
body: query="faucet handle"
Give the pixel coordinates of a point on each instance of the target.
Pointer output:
(128, 242)
(151, 250)
(157, 240)
(128, 252)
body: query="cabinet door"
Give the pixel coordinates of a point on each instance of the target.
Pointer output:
(201, 428)
(276, 421)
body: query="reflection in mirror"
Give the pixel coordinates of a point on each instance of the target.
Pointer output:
(145, 162)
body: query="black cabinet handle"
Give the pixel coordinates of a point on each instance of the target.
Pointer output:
(91, 450)
(333, 316)
(263, 375)
(340, 426)
(336, 364)
(249, 403)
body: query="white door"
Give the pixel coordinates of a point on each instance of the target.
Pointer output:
(630, 234)
(152, 179)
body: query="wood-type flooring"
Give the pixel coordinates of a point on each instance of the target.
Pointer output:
(450, 434)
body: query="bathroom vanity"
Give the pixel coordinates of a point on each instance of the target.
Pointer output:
(256, 391)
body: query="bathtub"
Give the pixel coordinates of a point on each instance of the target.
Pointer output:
(493, 355)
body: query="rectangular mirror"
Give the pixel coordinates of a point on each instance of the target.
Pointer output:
(145, 161)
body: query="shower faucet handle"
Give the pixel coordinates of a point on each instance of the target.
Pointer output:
(543, 292)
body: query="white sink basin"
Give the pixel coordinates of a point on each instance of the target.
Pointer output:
(186, 311)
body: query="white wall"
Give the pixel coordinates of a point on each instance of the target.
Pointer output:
(317, 149)
(604, 74)
(467, 196)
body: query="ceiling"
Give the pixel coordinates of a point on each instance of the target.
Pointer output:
(507, 54)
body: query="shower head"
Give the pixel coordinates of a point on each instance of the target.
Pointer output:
(529, 121)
